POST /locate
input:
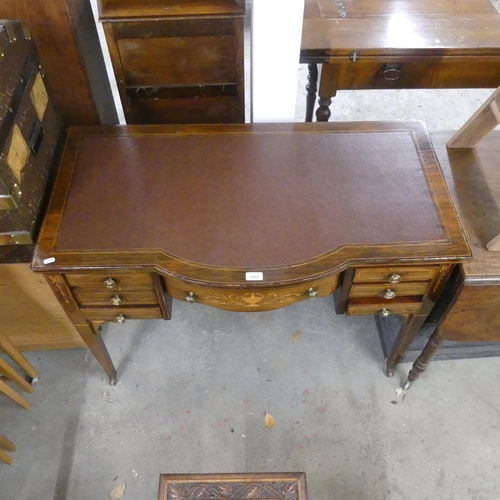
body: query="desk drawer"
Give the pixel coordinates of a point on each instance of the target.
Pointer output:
(388, 291)
(382, 307)
(120, 314)
(407, 72)
(116, 299)
(394, 274)
(250, 299)
(110, 281)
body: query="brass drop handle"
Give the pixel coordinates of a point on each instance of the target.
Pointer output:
(391, 72)
(395, 278)
(389, 294)
(385, 312)
(120, 319)
(116, 300)
(190, 297)
(312, 293)
(109, 283)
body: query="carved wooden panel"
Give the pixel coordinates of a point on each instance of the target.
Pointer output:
(233, 486)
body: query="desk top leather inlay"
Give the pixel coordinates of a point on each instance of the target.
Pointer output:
(249, 197)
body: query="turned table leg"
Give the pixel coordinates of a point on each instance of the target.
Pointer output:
(323, 112)
(422, 362)
(311, 88)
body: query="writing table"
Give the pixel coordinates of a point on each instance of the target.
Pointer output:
(408, 44)
(248, 218)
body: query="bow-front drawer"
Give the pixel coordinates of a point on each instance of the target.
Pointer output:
(250, 299)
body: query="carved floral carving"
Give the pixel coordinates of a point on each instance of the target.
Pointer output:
(285, 490)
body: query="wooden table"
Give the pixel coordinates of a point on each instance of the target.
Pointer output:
(380, 44)
(247, 218)
(473, 178)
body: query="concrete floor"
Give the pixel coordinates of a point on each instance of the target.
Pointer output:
(192, 393)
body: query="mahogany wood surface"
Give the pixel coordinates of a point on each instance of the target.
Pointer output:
(369, 44)
(238, 199)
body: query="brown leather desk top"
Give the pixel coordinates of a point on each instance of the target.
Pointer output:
(207, 202)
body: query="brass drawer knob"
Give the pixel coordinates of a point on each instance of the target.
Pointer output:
(116, 300)
(190, 297)
(395, 278)
(385, 312)
(120, 319)
(109, 283)
(312, 293)
(389, 294)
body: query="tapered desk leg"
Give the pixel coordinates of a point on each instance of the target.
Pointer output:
(409, 331)
(89, 333)
(93, 339)
(422, 362)
(312, 89)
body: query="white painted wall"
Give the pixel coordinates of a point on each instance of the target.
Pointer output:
(276, 35)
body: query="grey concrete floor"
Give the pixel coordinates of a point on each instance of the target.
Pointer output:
(193, 392)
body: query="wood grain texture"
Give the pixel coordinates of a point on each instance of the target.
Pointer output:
(200, 51)
(400, 45)
(483, 121)
(473, 178)
(277, 486)
(400, 289)
(32, 318)
(384, 274)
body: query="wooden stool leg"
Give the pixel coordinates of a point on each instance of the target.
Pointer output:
(13, 376)
(16, 356)
(12, 394)
(5, 458)
(422, 362)
(6, 444)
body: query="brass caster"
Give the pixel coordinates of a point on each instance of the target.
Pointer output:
(389, 372)
(113, 381)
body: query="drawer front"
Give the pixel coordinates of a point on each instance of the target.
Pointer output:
(362, 306)
(178, 61)
(120, 314)
(394, 274)
(388, 291)
(116, 299)
(379, 72)
(254, 299)
(111, 281)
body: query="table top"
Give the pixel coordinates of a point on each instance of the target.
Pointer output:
(473, 178)
(210, 203)
(447, 27)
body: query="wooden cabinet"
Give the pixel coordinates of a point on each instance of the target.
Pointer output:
(177, 62)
